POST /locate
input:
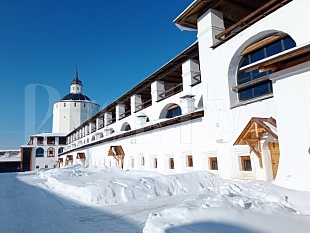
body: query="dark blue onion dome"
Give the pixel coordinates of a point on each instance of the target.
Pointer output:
(75, 96)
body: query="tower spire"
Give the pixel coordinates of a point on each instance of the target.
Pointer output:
(76, 72)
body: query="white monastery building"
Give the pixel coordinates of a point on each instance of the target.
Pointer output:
(43, 149)
(73, 109)
(236, 102)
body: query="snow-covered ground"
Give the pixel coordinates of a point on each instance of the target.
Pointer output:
(100, 199)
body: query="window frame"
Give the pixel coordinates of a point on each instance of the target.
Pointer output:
(173, 111)
(40, 155)
(171, 163)
(253, 84)
(211, 164)
(189, 161)
(155, 163)
(142, 161)
(243, 160)
(49, 150)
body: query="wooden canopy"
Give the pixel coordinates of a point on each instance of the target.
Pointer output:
(253, 131)
(118, 153)
(80, 156)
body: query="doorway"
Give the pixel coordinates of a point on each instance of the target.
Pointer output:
(275, 155)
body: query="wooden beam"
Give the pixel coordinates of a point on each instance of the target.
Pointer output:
(256, 130)
(258, 154)
(245, 19)
(262, 43)
(281, 58)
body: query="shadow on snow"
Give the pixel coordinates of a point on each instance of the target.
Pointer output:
(26, 208)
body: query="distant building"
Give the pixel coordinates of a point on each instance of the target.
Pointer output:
(73, 109)
(43, 149)
(10, 161)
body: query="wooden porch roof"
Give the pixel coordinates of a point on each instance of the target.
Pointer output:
(116, 150)
(255, 129)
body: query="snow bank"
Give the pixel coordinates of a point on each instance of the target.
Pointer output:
(234, 207)
(212, 204)
(100, 186)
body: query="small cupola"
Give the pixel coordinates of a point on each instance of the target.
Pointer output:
(76, 84)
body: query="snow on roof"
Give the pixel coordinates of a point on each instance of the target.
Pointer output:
(49, 135)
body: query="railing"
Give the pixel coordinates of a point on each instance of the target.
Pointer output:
(100, 126)
(143, 105)
(125, 114)
(170, 92)
(111, 121)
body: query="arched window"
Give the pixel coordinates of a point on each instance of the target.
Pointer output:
(125, 127)
(254, 83)
(51, 152)
(39, 152)
(173, 111)
(60, 150)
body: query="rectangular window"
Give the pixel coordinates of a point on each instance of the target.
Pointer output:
(64, 104)
(171, 163)
(51, 140)
(189, 161)
(62, 140)
(132, 163)
(213, 163)
(155, 162)
(40, 140)
(246, 163)
(142, 161)
(74, 104)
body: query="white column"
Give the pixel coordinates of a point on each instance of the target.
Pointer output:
(135, 102)
(190, 74)
(107, 118)
(157, 88)
(120, 111)
(209, 25)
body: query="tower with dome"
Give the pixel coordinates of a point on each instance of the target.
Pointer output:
(73, 109)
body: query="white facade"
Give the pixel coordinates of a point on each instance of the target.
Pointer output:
(44, 149)
(292, 99)
(72, 110)
(209, 109)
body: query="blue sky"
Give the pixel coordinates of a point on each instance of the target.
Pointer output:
(116, 44)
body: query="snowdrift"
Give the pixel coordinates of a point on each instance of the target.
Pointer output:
(213, 204)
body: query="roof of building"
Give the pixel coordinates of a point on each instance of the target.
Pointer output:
(76, 80)
(76, 96)
(47, 134)
(237, 14)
